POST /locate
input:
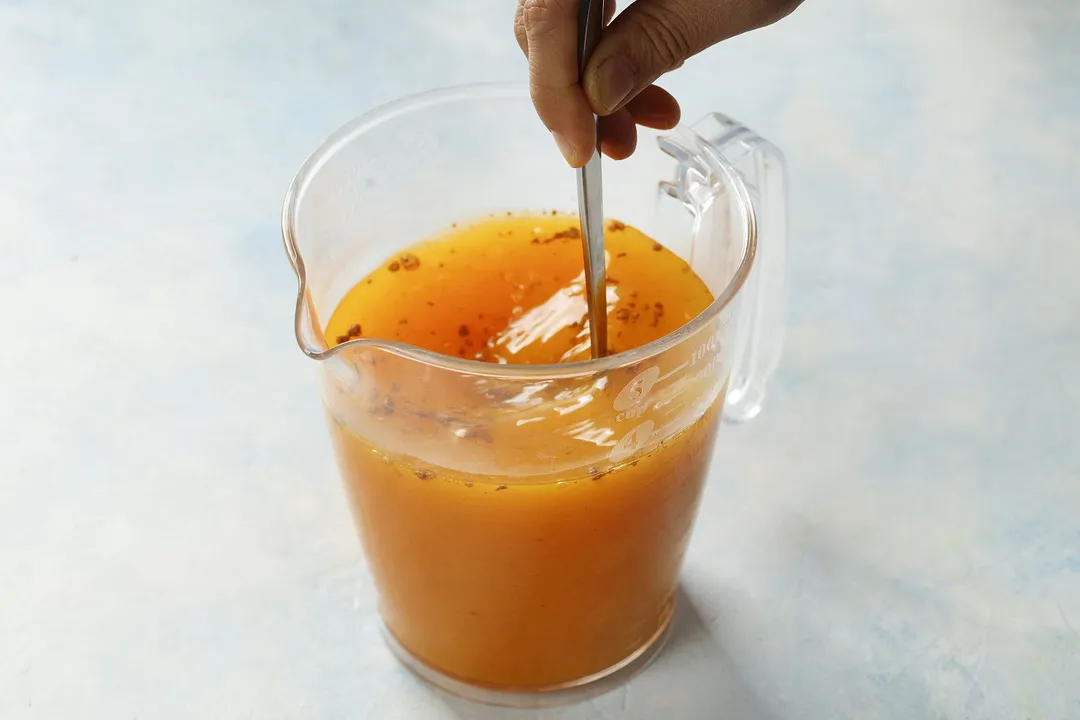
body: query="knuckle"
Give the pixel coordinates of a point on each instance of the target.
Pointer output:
(519, 30)
(539, 16)
(668, 35)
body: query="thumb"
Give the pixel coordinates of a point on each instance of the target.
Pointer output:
(651, 37)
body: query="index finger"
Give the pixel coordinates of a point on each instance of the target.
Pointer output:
(551, 28)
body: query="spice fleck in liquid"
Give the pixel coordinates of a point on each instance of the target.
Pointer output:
(524, 535)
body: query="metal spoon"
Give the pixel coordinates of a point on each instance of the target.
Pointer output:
(590, 188)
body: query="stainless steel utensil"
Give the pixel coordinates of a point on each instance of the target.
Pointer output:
(590, 189)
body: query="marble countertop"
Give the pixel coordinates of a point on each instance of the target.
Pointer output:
(897, 536)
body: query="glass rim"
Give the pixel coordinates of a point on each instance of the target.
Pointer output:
(473, 92)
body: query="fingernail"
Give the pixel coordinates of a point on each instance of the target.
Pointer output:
(616, 81)
(565, 148)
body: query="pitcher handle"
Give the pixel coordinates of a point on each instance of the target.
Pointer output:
(763, 313)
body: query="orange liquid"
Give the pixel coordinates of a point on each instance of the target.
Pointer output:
(519, 561)
(511, 290)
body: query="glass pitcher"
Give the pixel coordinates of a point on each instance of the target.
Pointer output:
(525, 525)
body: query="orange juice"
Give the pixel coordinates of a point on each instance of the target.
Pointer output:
(515, 560)
(511, 290)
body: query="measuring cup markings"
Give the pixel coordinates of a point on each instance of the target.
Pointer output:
(631, 402)
(633, 441)
(634, 392)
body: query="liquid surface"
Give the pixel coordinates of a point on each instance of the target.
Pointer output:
(512, 290)
(524, 535)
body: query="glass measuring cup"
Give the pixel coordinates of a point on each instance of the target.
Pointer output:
(525, 525)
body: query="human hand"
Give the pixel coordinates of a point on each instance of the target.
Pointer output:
(646, 40)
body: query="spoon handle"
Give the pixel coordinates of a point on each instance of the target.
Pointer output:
(590, 195)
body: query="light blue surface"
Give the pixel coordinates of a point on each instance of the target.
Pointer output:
(897, 536)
